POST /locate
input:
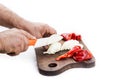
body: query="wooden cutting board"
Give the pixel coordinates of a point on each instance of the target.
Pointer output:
(47, 65)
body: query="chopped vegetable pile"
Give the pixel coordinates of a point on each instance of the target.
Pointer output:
(72, 44)
(77, 53)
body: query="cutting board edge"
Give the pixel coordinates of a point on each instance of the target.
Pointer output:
(67, 67)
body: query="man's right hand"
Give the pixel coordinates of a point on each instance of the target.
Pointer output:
(14, 40)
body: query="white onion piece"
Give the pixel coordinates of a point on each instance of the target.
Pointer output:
(54, 38)
(53, 48)
(70, 44)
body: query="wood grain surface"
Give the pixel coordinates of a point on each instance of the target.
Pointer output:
(47, 65)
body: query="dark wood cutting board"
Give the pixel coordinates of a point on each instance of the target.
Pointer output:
(47, 65)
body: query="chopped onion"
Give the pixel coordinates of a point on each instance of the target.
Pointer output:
(53, 48)
(70, 44)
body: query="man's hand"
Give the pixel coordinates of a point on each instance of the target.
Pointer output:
(12, 20)
(40, 30)
(14, 40)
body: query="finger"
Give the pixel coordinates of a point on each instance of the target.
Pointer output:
(14, 50)
(29, 36)
(38, 35)
(11, 54)
(48, 31)
(51, 30)
(18, 50)
(25, 45)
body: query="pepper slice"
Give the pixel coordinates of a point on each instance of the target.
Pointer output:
(66, 36)
(89, 56)
(69, 53)
(69, 36)
(78, 37)
(77, 54)
(82, 55)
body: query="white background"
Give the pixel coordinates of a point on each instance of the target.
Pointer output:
(97, 21)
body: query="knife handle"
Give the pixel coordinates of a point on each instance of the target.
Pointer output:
(32, 42)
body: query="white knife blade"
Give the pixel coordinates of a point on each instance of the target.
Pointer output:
(48, 40)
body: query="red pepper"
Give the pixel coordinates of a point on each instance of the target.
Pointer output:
(69, 36)
(73, 36)
(89, 56)
(66, 36)
(82, 55)
(78, 37)
(73, 50)
(69, 53)
(61, 57)
(77, 53)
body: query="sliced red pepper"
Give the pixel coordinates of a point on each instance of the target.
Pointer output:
(89, 56)
(69, 53)
(73, 36)
(73, 50)
(69, 36)
(77, 53)
(61, 57)
(78, 37)
(66, 36)
(82, 55)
